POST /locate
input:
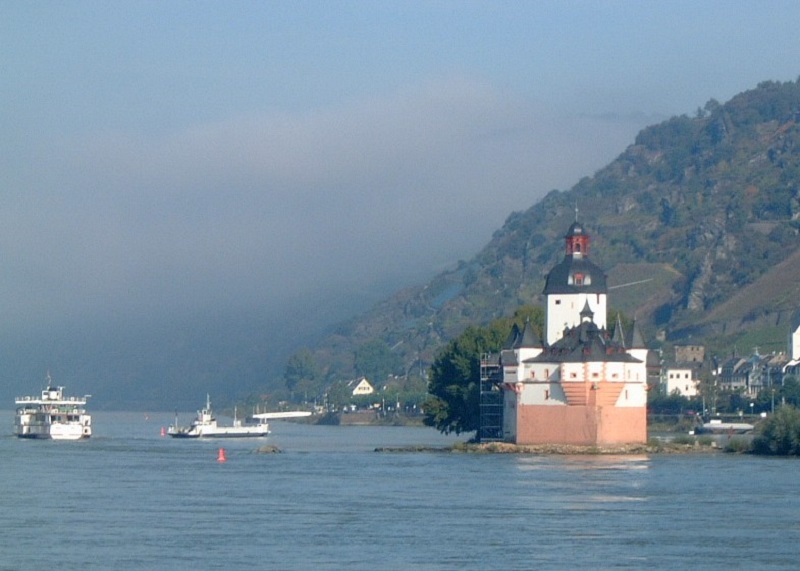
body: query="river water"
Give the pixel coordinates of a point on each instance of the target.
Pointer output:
(130, 499)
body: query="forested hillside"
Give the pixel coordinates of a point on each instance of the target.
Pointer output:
(696, 224)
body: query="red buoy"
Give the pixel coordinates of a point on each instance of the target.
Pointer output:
(221, 457)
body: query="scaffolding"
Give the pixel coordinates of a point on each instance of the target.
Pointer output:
(491, 400)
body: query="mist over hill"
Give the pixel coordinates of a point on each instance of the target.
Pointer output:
(696, 224)
(698, 214)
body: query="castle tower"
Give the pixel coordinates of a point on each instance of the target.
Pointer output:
(582, 385)
(573, 285)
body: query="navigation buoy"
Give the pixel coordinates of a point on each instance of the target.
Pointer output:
(221, 457)
(163, 431)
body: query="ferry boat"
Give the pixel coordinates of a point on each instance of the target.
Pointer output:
(205, 424)
(52, 415)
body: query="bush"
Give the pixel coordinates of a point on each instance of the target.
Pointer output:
(780, 433)
(705, 440)
(738, 446)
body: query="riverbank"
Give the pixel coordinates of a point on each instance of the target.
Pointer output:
(368, 418)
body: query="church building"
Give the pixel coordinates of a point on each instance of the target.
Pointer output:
(582, 384)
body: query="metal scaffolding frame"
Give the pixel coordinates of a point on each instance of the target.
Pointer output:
(490, 427)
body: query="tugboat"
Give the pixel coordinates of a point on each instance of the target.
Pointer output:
(52, 415)
(205, 425)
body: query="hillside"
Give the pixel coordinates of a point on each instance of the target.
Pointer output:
(696, 224)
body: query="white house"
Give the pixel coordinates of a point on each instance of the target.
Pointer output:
(361, 387)
(682, 380)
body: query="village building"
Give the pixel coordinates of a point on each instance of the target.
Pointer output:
(751, 375)
(774, 365)
(583, 384)
(690, 353)
(681, 380)
(360, 387)
(681, 375)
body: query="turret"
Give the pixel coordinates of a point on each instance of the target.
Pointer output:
(577, 241)
(574, 285)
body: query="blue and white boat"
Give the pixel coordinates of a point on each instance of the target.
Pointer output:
(205, 424)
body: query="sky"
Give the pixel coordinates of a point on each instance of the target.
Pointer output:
(169, 158)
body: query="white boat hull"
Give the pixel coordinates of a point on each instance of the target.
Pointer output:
(54, 432)
(257, 431)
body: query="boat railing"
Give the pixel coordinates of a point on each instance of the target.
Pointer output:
(76, 400)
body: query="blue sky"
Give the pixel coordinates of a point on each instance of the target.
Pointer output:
(174, 156)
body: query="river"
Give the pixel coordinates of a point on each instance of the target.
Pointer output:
(130, 499)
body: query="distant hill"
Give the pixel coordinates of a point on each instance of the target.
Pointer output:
(696, 224)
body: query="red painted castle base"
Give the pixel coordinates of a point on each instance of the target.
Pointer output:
(581, 425)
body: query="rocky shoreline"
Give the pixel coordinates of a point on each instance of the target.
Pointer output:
(561, 449)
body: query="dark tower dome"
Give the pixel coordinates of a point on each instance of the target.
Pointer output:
(575, 273)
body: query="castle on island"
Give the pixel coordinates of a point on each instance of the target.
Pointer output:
(583, 384)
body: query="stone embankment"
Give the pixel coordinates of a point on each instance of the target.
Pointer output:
(563, 449)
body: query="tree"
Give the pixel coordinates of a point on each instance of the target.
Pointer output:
(302, 375)
(339, 395)
(789, 393)
(780, 433)
(454, 385)
(674, 403)
(376, 361)
(455, 381)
